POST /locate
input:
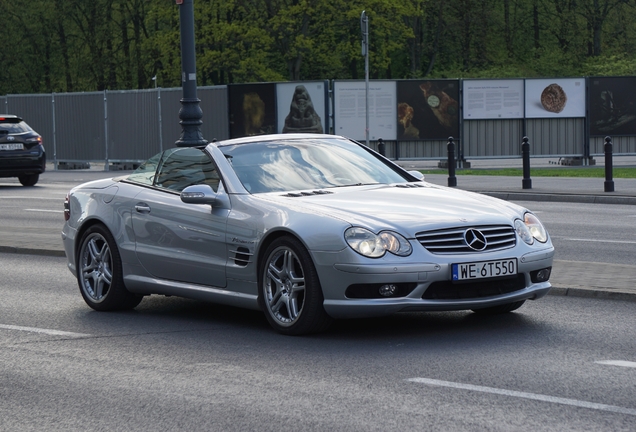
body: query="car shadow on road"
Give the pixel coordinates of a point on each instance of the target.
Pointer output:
(166, 314)
(438, 325)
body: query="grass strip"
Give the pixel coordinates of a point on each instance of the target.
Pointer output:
(596, 172)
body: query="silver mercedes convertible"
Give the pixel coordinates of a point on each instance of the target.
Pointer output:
(306, 228)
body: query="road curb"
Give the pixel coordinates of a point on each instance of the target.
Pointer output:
(593, 293)
(584, 199)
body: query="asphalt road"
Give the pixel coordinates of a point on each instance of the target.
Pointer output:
(557, 364)
(560, 363)
(595, 243)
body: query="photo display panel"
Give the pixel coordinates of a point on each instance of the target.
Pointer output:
(302, 107)
(252, 109)
(555, 97)
(612, 102)
(427, 109)
(350, 109)
(493, 99)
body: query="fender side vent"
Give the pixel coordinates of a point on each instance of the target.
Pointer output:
(242, 256)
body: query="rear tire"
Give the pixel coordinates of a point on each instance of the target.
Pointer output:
(289, 290)
(99, 272)
(504, 308)
(29, 179)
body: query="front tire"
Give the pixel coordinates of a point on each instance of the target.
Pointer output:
(29, 179)
(504, 308)
(99, 272)
(290, 292)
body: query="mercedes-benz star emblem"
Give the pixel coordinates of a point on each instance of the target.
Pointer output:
(475, 239)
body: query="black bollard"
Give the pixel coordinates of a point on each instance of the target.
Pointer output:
(381, 147)
(609, 168)
(526, 183)
(452, 180)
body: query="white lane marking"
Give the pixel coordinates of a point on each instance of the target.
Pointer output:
(61, 197)
(524, 395)
(45, 211)
(622, 363)
(41, 330)
(594, 241)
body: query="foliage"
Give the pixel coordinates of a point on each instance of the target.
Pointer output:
(92, 45)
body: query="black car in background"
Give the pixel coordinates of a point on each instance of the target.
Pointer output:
(21, 150)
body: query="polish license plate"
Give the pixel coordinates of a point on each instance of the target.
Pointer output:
(484, 269)
(12, 146)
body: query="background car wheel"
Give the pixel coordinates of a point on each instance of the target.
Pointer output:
(290, 292)
(29, 179)
(99, 272)
(504, 308)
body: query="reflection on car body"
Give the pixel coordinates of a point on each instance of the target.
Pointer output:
(308, 228)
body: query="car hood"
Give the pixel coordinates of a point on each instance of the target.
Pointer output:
(406, 209)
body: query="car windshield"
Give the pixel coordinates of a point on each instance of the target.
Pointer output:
(299, 164)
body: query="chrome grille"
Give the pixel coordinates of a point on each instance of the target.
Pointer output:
(452, 240)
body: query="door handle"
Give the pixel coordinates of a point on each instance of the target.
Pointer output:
(142, 208)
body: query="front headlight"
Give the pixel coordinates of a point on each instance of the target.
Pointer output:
(530, 229)
(373, 245)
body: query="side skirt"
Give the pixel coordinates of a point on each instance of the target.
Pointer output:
(147, 285)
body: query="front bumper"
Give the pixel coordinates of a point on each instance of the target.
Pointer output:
(337, 277)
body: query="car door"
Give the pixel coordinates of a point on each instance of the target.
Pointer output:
(178, 241)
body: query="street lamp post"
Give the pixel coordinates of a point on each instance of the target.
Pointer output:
(190, 112)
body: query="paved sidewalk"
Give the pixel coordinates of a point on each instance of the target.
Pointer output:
(571, 278)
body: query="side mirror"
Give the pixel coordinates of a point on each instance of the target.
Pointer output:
(418, 175)
(198, 194)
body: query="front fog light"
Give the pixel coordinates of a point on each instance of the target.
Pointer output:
(387, 290)
(541, 275)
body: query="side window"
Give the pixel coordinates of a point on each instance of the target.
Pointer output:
(183, 167)
(145, 173)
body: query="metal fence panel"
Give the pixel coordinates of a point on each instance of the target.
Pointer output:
(492, 138)
(621, 145)
(421, 149)
(389, 148)
(80, 126)
(37, 111)
(556, 136)
(133, 125)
